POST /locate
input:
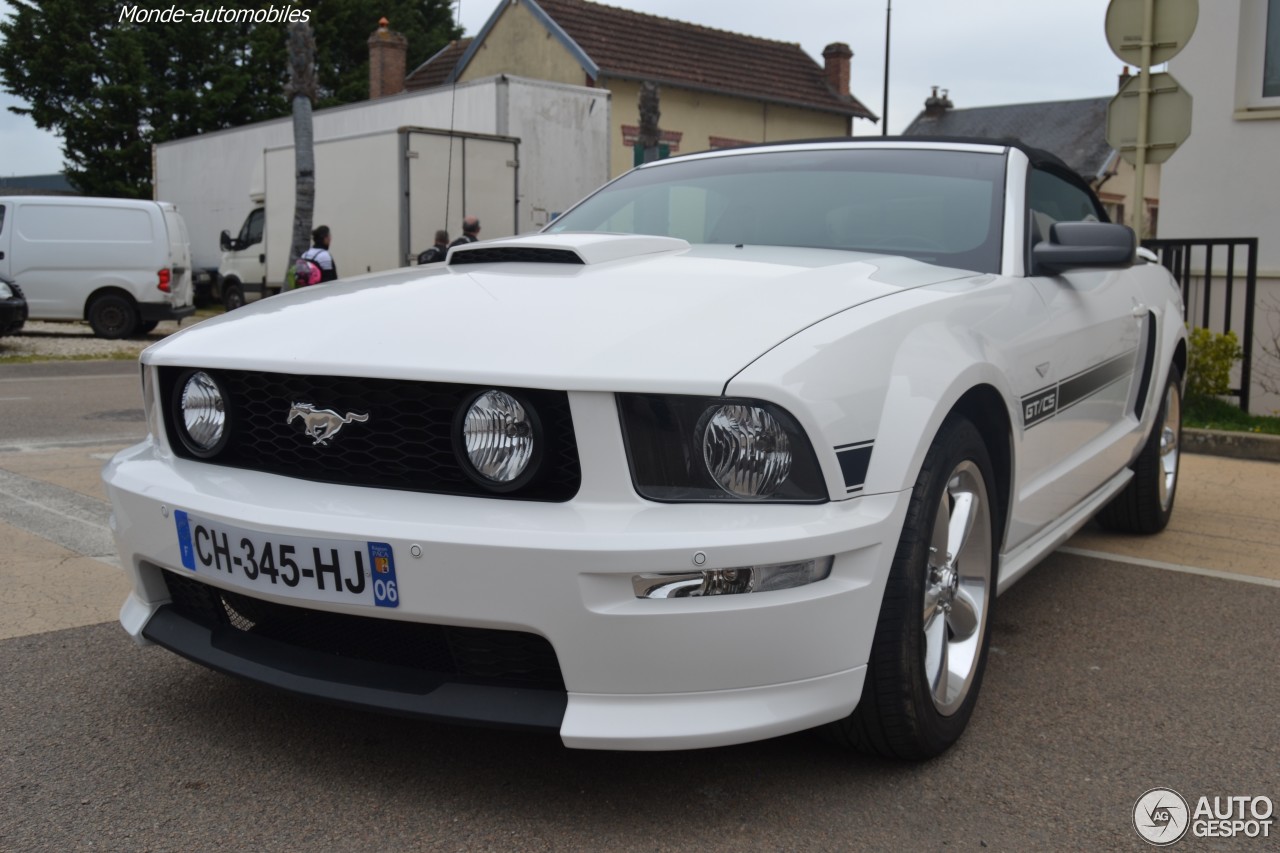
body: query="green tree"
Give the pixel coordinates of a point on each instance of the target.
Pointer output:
(112, 88)
(342, 41)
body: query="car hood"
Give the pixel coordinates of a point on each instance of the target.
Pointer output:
(636, 314)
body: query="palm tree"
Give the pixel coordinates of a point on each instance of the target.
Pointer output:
(301, 92)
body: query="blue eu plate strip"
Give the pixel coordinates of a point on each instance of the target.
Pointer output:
(383, 564)
(184, 539)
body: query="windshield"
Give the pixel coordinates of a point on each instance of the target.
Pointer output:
(942, 207)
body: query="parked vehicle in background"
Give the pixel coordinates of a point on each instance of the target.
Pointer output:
(747, 442)
(13, 307)
(383, 213)
(217, 178)
(122, 264)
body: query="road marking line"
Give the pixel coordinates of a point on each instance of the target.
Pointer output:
(76, 522)
(1172, 567)
(70, 444)
(12, 399)
(124, 374)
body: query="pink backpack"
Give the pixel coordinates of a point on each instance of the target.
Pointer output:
(306, 271)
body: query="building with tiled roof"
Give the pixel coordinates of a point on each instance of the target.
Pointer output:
(1076, 131)
(716, 88)
(436, 70)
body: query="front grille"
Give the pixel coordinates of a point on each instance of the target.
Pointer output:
(476, 655)
(406, 443)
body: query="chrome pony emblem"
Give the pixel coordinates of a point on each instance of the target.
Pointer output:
(321, 424)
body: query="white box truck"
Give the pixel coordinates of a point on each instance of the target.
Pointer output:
(383, 196)
(122, 264)
(216, 178)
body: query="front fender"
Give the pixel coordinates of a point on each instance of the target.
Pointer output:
(882, 377)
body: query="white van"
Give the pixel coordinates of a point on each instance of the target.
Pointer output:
(122, 264)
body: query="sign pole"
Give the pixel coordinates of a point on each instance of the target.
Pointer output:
(1144, 105)
(884, 113)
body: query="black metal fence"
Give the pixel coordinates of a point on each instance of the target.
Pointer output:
(1219, 280)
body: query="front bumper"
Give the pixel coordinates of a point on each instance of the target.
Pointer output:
(638, 674)
(13, 315)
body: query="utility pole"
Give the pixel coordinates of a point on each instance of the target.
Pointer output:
(884, 112)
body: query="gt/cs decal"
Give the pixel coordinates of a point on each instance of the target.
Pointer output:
(854, 460)
(1041, 405)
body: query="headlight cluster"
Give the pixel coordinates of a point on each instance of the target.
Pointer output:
(5, 291)
(715, 448)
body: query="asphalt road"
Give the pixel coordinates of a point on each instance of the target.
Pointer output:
(1106, 679)
(50, 402)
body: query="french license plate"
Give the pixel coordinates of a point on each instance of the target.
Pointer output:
(338, 570)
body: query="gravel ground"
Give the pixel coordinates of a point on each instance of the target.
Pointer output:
(76, 340)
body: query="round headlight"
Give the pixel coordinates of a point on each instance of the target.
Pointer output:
(204, 414)
(746, 450)
(500, 438)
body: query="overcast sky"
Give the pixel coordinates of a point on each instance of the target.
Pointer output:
(984, 52)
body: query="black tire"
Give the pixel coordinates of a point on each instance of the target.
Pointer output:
(899, 714)
(1146, 504)
(232, 296)
(113, 316)
(147, 326)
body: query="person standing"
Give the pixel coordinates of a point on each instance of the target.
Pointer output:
(470, 232)
(438, 251)
(319, 254)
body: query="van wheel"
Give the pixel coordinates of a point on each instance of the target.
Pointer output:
(233, 296)
(113, 316)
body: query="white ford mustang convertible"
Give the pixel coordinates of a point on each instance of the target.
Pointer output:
(745, 443)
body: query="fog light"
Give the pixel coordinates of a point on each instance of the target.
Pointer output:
(733, 581)
(203, 412)
(500, 438)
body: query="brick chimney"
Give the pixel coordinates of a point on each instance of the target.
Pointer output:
(387, 51)
(837, 56)
(1124, 77)
(935, 106)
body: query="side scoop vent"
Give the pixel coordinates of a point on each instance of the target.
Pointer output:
(514, 255)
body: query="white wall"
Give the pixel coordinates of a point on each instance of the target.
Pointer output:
(564, 145)
(1225, 179)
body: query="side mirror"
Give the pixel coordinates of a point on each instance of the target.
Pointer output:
(1084, 244)
(225, 241)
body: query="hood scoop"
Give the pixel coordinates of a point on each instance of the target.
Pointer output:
(576, 249)
(514, 255)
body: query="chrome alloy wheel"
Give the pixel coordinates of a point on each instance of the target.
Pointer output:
(1170, 440)
(958, 588)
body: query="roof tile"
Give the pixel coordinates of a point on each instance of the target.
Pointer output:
(435, 71)
(634, 45)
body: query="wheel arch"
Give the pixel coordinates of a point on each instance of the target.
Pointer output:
(106, 290)
(984, 407)
(1180, 358)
